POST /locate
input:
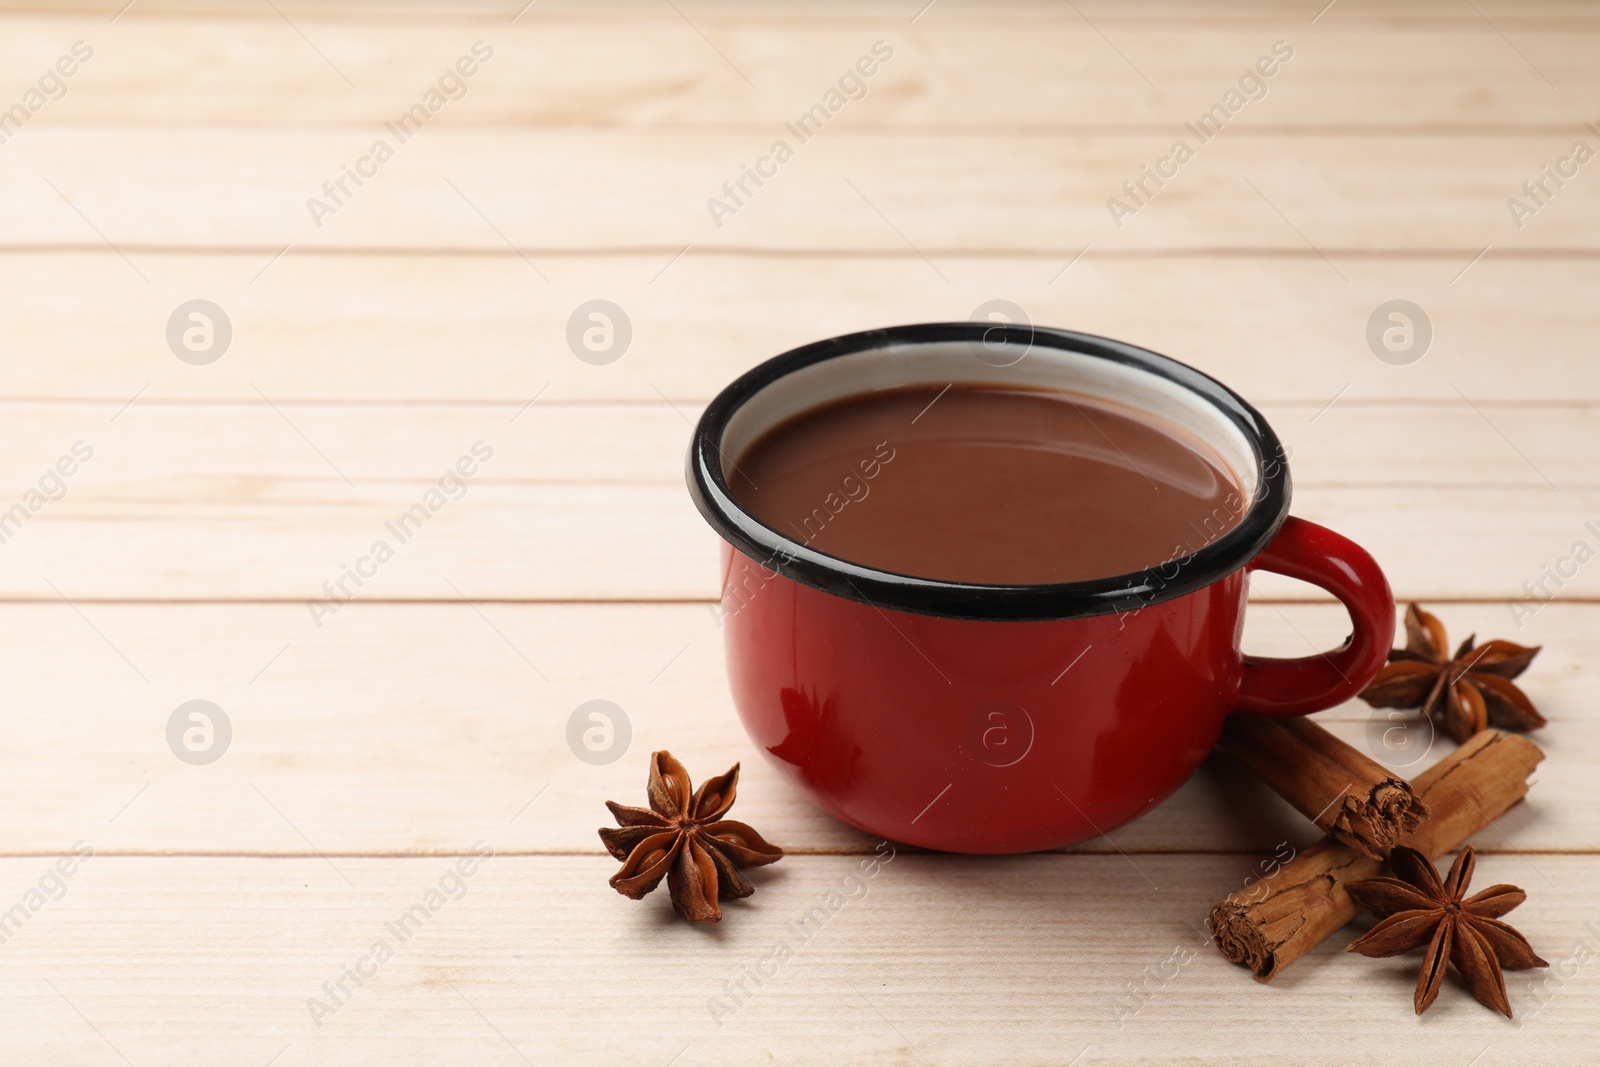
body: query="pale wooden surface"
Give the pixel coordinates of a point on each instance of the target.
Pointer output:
(371, 752)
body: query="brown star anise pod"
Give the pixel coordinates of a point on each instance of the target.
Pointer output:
(686, 840)
(1463, 693)
(1418, 909)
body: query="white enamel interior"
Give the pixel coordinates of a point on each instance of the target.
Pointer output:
(947, 362)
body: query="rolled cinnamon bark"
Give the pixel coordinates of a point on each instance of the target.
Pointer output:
(1306, 900)
(1354, 799)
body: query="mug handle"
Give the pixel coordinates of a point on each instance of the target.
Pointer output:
(1317, 555)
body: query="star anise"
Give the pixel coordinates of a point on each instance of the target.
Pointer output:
(1418, 909)
(1463, 693)
(686, 840)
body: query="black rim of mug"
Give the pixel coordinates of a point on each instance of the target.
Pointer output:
(926, 596)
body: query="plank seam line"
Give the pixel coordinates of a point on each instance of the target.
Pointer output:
(974, 130)
(788, 852)
(649, 601)
(1022, 15)
(1455, 255)
(1432, 403)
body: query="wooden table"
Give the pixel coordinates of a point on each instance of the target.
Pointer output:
(380, 738)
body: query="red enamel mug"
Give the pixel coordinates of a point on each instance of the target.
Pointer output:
(1010, 718)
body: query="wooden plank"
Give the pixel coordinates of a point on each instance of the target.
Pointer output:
(589, 542)
(639, 188)
(223, 454)
(955, 70)
(1135, 12)
(483, 328)
(1033, 959)
(369, 752)
(408, 729)
(251, 501)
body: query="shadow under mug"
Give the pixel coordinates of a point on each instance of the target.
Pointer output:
(1011, 718)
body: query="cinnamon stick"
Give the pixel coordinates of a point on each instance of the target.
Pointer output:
(1352, 798)
(1306, 901)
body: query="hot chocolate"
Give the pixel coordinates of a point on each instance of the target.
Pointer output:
(988, 485)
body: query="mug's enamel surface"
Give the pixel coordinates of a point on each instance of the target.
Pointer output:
(974, 735)
(996, 718)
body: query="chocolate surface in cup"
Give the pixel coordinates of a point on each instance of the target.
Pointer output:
(973, 483)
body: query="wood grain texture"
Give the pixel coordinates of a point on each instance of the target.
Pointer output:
(468, 188)
(204, 454)
(402, 729)
(459, 327)
(589, 542)
(1367, 13)
(270, 501)
(369, 753)
(956, 70)
(1069, 959)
